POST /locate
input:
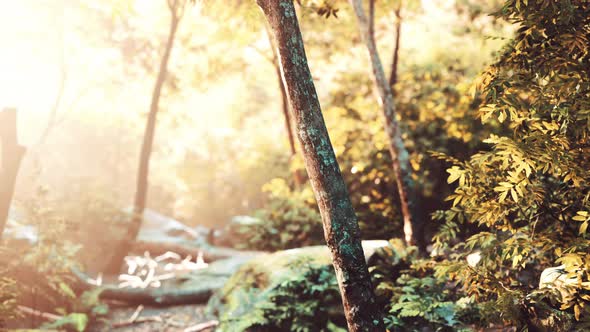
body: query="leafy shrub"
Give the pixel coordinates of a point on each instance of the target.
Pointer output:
(412, 297)
(289, 220)
(423, 302)
(305, 302)
(528, 194)
(437, 113)
(40, 275)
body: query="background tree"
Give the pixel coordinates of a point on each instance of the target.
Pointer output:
(274, 61)
(340, 224)
(177, 9)
(400, 156)
(11, 153)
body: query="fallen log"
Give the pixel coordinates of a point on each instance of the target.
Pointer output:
(156, 296)
(146, 296)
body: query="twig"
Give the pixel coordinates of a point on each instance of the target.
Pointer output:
(37, 313)
(138, 320)
(174, 323)
(202, 326)
(133, 319)
(136, 313)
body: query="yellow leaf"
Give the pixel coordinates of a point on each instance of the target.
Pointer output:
(583, 227)
(455, 173)
(502, 117)
(503, 196)
(514, 195)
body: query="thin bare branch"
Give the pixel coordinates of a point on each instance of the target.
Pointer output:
(202, 326)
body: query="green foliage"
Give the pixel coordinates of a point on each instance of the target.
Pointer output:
(306, 301)
(303, 303)
(413, 297)
(246, 300)
(89, 302)
(437, 110)
(290, 219)
(423, 302)
(43, 270)
(72, 322)
(528, 195)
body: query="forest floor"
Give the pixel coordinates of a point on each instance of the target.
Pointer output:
(161, 319)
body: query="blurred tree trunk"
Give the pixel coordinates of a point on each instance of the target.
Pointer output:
(176, 8)
(285, 106)
(341, 228)
(395, 61)
(402, 169)
(10, 159)
(57, 103)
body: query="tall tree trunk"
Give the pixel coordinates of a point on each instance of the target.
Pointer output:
(341, 228)
(12, 154)
(395, 61)
(402, 169)
(146, 148)
(285, 105)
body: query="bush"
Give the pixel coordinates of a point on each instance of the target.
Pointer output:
(528, 194)
(289, 220)
(413, 298)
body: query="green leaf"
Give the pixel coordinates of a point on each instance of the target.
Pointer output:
(73, 321)
(67, 290)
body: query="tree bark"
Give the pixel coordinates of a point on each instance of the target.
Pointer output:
(12, 155)
(341, 228)
(402, 169)
(394, 63)
(176, 7)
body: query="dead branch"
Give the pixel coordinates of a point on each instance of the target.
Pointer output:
(45, 315)
(202, 326)
(138, 321)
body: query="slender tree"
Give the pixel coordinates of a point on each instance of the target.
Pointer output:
(396, 46)
(402, 169)
(284, 104)
(11, 155)
(341, 228)
(57, 103)
(176, 8)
